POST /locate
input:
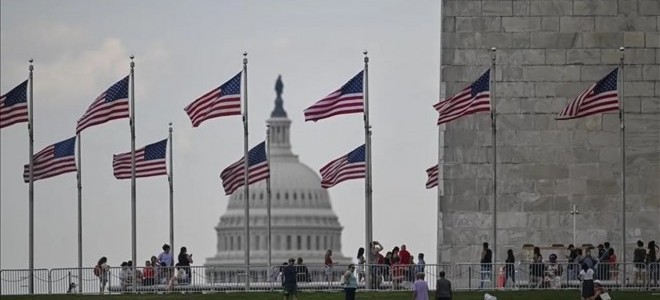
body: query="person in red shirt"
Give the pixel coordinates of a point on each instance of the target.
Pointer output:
(404, 255)
(148, 274)
(406, 259)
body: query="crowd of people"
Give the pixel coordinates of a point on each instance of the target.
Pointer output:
(589, 265)
(159, 269)
(397, 266)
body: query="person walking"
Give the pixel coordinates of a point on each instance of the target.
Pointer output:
(420, 288)
(443, 288)
(349, 282)
(290, 283)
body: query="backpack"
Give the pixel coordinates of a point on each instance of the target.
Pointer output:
(97, 270)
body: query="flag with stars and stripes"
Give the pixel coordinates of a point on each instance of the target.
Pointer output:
(110, 105)
(222, 101)
(600, 97)
(232, 176)
(346, 100)
(53, 160)
(14, 106)
(349, 166)
(149, 161)
(472, 99)
(432, 174)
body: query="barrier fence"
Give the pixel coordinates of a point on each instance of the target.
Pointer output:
(463, 276)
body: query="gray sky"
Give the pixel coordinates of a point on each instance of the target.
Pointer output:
(183, 49)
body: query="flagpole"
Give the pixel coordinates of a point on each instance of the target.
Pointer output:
(623, 164)
(368, 187)
(245, 174)
(31, 185)
(493, 116)
(171, 182)
(133, 213)
(80, 250)
(439, 228)
(268, 212)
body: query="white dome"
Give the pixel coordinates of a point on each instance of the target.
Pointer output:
(302, 221)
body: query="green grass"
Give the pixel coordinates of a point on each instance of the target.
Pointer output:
(509, 295)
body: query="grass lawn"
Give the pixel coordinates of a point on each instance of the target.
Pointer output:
(510, 295)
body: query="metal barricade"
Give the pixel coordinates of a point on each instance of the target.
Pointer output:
(472, 276)
(17, 282)
(653, 271)
(318, 277)
(73, 280)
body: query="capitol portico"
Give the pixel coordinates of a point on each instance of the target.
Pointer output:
(303, 222)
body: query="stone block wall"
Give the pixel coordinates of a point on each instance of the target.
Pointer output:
(549, 51)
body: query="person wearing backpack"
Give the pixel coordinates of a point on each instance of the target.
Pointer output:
(101, 271)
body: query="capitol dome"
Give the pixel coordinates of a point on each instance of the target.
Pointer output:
(303, 223)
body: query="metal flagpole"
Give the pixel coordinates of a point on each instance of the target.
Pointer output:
(245, 174)
(80, 250)
(171, 182)
(368, 188)
(439, 229)
(31, 185)
(268, 208)
(268, 212)
(622, 127)
(133, 213)
(494, 128)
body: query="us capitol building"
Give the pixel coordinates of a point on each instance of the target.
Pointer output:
(303, 223)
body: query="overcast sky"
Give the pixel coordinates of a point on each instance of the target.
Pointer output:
(183, 49)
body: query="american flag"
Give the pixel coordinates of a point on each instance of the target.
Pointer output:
(349, 166)
(220, 102)
(14, 106)
(600, 97)
(346, 100)
(110, 105)
(232, 176)
(432, 174)
(472, 99)
(52, 161)
(149, 161)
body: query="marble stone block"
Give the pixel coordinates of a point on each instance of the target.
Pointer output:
(551, 8)
(521, 24)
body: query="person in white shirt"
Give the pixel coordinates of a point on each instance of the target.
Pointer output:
(587, 278)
